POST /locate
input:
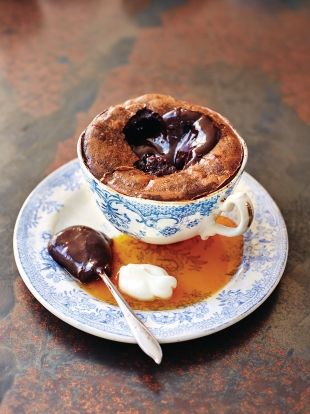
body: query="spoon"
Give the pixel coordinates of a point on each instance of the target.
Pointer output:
(86, 254)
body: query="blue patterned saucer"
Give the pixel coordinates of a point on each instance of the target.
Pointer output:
(63, 199)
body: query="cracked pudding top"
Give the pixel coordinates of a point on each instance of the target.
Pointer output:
(160, 148)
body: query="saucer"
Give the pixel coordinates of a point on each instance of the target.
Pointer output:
(63, 199)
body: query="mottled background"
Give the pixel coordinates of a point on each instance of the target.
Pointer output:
(61, 62)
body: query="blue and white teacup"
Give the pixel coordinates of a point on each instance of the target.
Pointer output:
(165, 222)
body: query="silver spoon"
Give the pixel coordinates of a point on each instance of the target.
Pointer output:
(145, 339)
(86, 254)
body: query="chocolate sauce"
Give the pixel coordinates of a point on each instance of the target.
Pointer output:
(168, 143)
(82, 251)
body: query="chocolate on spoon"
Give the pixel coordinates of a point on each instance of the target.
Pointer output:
(86, 254)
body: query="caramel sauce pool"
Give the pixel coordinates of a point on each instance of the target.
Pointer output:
(202, 267)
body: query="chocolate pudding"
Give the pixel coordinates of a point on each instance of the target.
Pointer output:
(160, 148)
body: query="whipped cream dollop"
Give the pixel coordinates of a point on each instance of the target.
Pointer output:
(146, 282)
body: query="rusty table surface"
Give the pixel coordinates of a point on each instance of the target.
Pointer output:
(61, 62)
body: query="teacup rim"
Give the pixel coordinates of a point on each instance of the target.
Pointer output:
(163, 202)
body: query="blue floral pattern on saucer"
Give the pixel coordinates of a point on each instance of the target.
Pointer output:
(52, 206)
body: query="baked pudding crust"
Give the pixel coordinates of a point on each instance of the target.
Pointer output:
(111, 159)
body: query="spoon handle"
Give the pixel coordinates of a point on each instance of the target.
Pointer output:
(147, 342)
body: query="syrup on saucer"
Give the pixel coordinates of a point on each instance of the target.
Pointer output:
(202, 267)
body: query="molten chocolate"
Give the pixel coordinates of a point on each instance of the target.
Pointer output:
(82, 251)
(176, 140)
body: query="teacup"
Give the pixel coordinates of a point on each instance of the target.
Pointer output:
(165, 222)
